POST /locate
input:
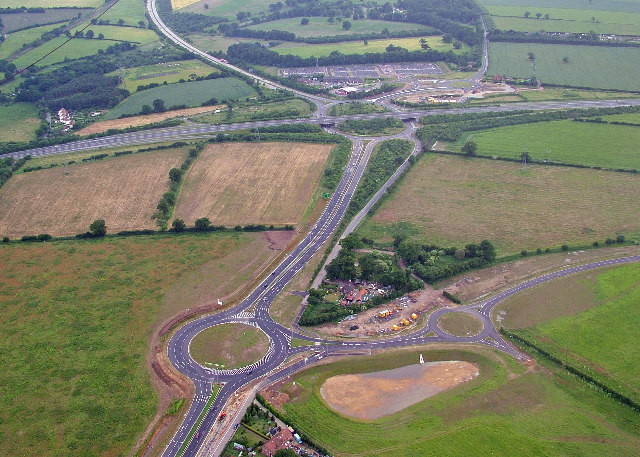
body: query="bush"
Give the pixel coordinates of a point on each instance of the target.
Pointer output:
(202, 224)
(609, 241)
(451, 297)
(596, 244)
(539, 251)
(178, 226)
(44, 237)
(523, 253)
(564, 247)
(620, 239)
(5, 239)
(98, 228)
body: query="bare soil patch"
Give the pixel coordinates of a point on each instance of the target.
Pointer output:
(136, 121)
(123, 191)
(374, 395)
(244, 183)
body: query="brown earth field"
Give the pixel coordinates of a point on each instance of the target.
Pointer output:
(136, 121)
(124, 191)
(450, 200)
(373, 395)
(245, 183)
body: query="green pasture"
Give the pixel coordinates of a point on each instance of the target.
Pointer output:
(193, 93)
(76, 319)
(543, 6)
(588, 66)
(219, 43)
(14, 41)
(171, 72)
(17, 21)
(18, 122)
(74, 49)
(52, 3)
(228, 8)
(319, 26)
(294, 108)
(358, 47)
(114, 32)
(602, 339)
(131, 11)
(502, 412)
(595, 145)
(632, 118)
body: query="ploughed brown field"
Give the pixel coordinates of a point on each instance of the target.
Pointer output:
(124, 191)
(245, 183)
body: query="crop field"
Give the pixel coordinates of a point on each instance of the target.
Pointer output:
(245, 183)
(601, 336)
(75, 49)
(192, 93)
(17, 21)
(218, 43)
(596, 145)
(52, 3)
(114, 32)
(18, 122)
(230, 345)
(452, 201)
(294, 108)
(136, 121)
(627, 6)
(123, 191)
(227, 8)
(319, 26)
(171, 72)
(14, 41)
(503, 411)
(131, 11)
(77, 317)
(588, 66)
(358, 47)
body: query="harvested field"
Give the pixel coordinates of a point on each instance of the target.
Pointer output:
(453, 201)
(244, 183)
(375, 395)
(123, 191)
(136, 121)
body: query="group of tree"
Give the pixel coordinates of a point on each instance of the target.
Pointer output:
(185, 23)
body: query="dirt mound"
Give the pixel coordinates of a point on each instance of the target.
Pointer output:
(374, 395)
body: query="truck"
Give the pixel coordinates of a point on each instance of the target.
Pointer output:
(222, 415)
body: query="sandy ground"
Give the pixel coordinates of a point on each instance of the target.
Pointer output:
(420, 302)
(374, 395)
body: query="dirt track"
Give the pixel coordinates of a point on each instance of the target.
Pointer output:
(374, 395)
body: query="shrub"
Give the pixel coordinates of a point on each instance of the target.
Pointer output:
(564, 247)
(44, 237)
(596, 244)
(609, 241)
(451, 297)
(178, 225)
(202, 224)
(523, 253)
(620, 239)
(98, 228)
(5, 239)
(539, 251)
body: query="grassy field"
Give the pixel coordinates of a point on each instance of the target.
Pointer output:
(598, 145)
(245, 183)
(123, 191)
(294, 108)
(171, 72)
(113, 32)
(212, 43)
(628, 6)
(52, 3)
(633, 118)
(227, 8)
(136, 121)
(454, 201)
(17, 21)
(588, 66)
(14, 41)
(358, 47)
(554, 93)
(18, 122)
(501, 412)
(342, 109)
(600, 336)
(319, 26)
(74, 49)
(460, 324)
(230, 346)
(577, 20)
(77, 316)
(192, 93)
(131, 11)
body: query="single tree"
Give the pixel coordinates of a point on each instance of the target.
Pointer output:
(346, 25)
(101, 36)
(120, 21)
(565, 59)
(202, 224)
(527, 14)
(146, 109)
(141, 24)
(470, 148)
(98, 228)
(89, 34)
(178, 226)
(175, 174)
(538, 15)
(546, 16)
(304, 21)
(158, 106)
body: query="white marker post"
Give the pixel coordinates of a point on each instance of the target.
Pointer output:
(421, 360)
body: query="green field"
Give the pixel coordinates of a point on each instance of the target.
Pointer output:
(358, 47)
(171, 72)
(632, 118)
(293, 108)
(113, 32)
(565, 20)
(131, 11)
(453, 201)
(588, 66)
(596, 145)
(18, 122)
(74, 49)
(460, 324)
(627, 6)
(14, 41)
(192, 93)
(229, 346)
(553, 93)
(342, 109)
(602, 339)
(52, 3)
(502, 412)
(76, 319)
(228, 8)
(218, 43)
(17, 21)
(318, 26)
